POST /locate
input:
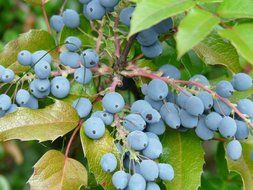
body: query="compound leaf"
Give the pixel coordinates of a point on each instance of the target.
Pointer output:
(56, 172)
(45, 124)
(213, 50)
(184, 152)
(151, 12)
(199, 23)
(240, 36)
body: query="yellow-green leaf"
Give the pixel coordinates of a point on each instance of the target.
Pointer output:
(54, 171)
(37, 2)
(213, 50)
(185, 153)
(94, 150)
(244, 165)
(194, 28)
(150, 12)
(45, 124)
(236, 9)
(241, 37)
(33, 40)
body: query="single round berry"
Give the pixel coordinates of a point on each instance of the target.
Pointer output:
(170, 71)
(60, 87)
(7, 76)
(151, 115)
(154, 149)
(202, 131)
(126, 15)
(71, 18)
(245, 106)
(83, 75)
(90, 58)
(149, 170)
(94, 128)
(212, 121)
(56, 22)
(42, 70)
(157, 128)
(108, 162)
(105, 116)
(25, 58)
(140, 105)
(164, 26)
(22, 96)
(37, 93)
(83, 107)
(42, 85)
(188, 120)
(94, 10)
(157, 89)
(166, 172)
(206, 99)
(137, 182)
(147, 37)
(224, 89)
(137, 140)
(194, 106)
(41, 55)
(242, 82)
(222, 108)
(170, 115)
(242, 131)
(108, 3)
(113, 102)
(227, 127)
(134, 122)
(73, 43)
(71, 59)
(5, 102)
(153, 50)
(120, 180)
(234, 149)
(152, 186)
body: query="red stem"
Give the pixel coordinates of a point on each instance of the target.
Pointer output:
(116, 37)
(80, 122)
(116, 82)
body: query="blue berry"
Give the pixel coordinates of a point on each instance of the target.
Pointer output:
(221, 107)
(140, 105)
(245, 106)
(234, 149)
(7, 76)
(166, 172)
(212, 120)
(56, 22)
(2, 69)
(206, 99)
(95, 10)
(151, 115)
(157, 128)
(224, 89)
(71, 18)
(83, 75)
(227, 127)
(94, 128)
(170, 71)
(147, 37)
(194, 106)
(164, 26)
(83, 106)
(144, 89)
(155, 104)
(25, 58)
(133, 122)
(170, 115)
(85, 1)
(154, 149)
(152, 186)
(136, 182)
(182, 97)
(153, 50)
(85, 12)
(41, 55)
(151, 135)
(113, 102)
(188, 120)
(120, 180)
(35, 92)
(22, 96)
(108, 3)
(105, 116)
(42, 84)
(5, 102)
(60, 87)
(157, 89)
(2, 113)
(242, 131)
(137, 140)
(12, 109)
(242, 82)
(202, 131)
(126, 15)
(32, 103)
(90, 58)
(200, 79)
(108, 162)
(70, 59)
(149, 170)
(73, 43)
(42, 70)
(172, 96)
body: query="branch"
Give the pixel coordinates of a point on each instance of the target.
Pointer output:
(45, 16)
(137, 72)
(116, 82)
(100, 36)
(116, 37)
(80, 122)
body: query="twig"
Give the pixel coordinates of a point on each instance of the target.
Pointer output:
(100, 36)
(45, 16)
(116, 82)
(63, 6)
(116, 37)
(80, 122)
(219, 139)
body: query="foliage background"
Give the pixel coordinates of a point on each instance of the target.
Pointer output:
(17, 159)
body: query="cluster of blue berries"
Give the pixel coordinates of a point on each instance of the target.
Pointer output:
(96, 9)
(148, 39)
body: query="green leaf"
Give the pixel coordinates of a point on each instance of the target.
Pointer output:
(4, 184)
(199, 23)
(210, 1)
(232, 9)
(94, 150)
(213, 50)
(150, 12)
(33, 40)
(55, 171)
(36, 2)
(184, 152)
(240, 36)
(83, 33)
(244, 165)
(45, 124)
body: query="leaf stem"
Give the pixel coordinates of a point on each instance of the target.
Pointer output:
(43, 2)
